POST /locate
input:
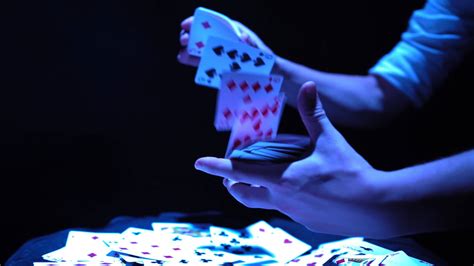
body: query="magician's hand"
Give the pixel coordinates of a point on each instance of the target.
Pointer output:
(247, 36)
(331, 191)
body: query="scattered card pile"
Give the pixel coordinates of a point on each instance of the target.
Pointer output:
(250, 101)
(203, 244)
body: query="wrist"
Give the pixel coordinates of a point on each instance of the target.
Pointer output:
(376, 185)
(281, 67)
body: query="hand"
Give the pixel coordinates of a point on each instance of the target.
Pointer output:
(183, 56)
(331, 191)
(247, 36)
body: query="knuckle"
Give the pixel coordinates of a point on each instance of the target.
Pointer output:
(319, 114)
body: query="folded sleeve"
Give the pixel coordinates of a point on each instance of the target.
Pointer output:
(437, 38)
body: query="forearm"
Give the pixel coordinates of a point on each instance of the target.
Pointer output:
(445, 178)
(348, 99)
(433, 196)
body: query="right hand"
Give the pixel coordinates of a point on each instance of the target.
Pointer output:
(247, 36)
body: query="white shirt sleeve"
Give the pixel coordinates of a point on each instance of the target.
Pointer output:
(436, 40)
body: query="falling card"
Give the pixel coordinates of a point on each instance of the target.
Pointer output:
(244, 92)
(260, 124)
(221, 56)
(207, 23)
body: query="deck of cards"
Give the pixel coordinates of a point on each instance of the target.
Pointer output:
(205, 244)
(250, 101)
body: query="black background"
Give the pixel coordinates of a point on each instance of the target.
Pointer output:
(98, 119)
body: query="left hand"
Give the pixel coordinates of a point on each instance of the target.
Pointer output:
(247, 36)
(331, 191)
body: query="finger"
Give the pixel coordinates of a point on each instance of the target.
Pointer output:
(239, 171)
(311, 110)
(185, 58)
(252, 197)
(186, 24)
(246, 39)
(184, 39)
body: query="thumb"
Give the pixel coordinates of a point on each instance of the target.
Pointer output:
(311, 111)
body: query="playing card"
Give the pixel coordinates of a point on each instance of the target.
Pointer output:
(207, 23)
(182, 243)
(227, 238)
(241, 243)
(260, 125)
(341, 243)
(283, 246)
(395, 258)
(362, 247)
(284, 148)
(274, 156)
(244, 92)
(317, 257)
(357, 245)
(220, 56)
(286, 142)
(188, 229)
(84, 246)
(399, 258)
(57, 255)
(77, 264)
(80, 238)
(260, 229)
(80, 254)
(134, 259)
(147, 244)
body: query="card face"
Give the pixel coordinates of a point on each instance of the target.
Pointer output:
(84, 246)
(240, 243)
(362, 247)
(188, 229)
(150, 245)
(273, 244)
(243, 92)
(260, 229)
(317, 257)
(80, 238)
(89, 263)
(395, 258)
(57, 255)
(284, 247)
(257, 125)
(210, 23)
(221, 56)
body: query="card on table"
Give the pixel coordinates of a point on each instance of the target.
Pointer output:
(207, 23)
(147, 244)
(181, 243)
(283, 246)
(241, 243)
(318, 257)
(74, 263)
(85, 246)
(357, 245)
(244, 92)
(188, 229)
(220, 56)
